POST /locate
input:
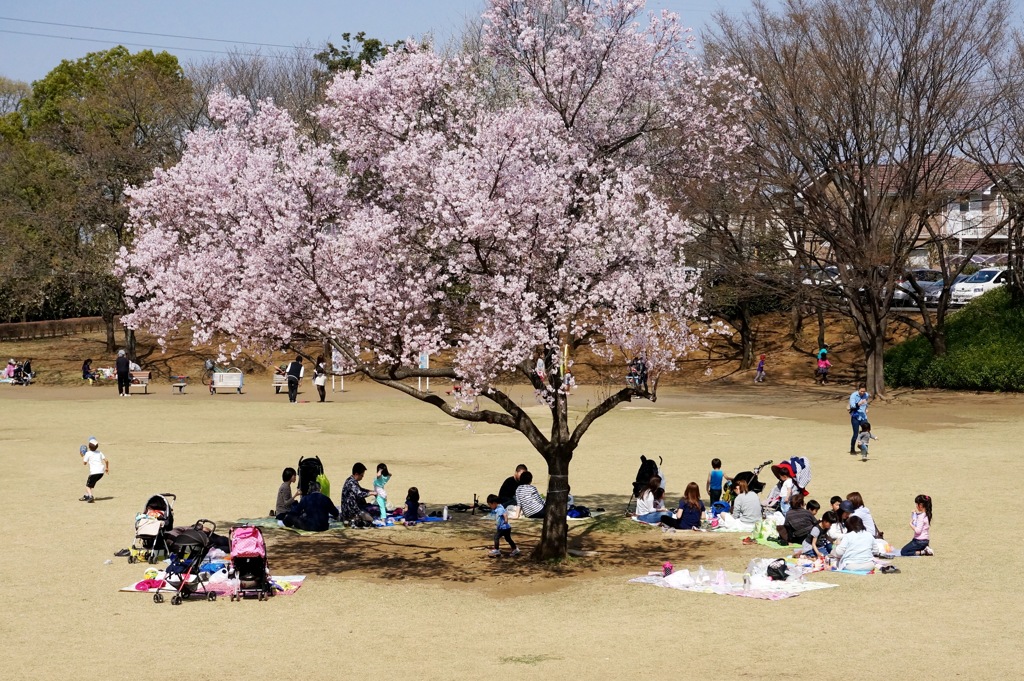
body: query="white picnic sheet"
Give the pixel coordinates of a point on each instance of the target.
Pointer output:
(760, 588)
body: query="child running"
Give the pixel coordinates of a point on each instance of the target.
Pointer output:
(921, 523)
(98, 467)
(502, 529)
(863, 439)
(759, 376)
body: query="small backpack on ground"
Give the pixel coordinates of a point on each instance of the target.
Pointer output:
(777, 570)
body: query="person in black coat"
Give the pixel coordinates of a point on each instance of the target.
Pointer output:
(124, 374)
(294, 373)
(507, 493)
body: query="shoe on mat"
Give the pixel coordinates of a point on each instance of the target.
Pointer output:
(927, 551)
(494, 553)
(122, 553)
(748, 540)
(517, 552)
(890, 570)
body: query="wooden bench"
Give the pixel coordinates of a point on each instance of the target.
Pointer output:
(141, 378)
(179, 384)
(227, 380)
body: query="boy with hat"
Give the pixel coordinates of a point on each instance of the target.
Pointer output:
(98, 466)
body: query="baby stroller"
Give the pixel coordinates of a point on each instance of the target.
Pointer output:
(22, 375)
(187, 550)
(309, 469)
(648, 469)
(753, 484)
(249, 564)
(156, 518)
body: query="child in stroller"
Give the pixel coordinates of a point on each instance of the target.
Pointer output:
(187, 550)
(249, 564)
(156, 518)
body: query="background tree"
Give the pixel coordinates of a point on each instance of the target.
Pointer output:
(112, 115)
(861, 109)
(484, 231)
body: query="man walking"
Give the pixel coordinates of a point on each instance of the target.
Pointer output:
(858, 406)
(294, 373)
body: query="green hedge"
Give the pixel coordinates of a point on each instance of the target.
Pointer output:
(984, 350)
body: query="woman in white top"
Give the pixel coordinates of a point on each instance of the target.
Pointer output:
(746, 509)
(862, 512)
(648, 508)
(855, 548)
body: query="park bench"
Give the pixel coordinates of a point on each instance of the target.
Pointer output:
(142, 378)
(280, 381)
(179, 383)
(227, 380)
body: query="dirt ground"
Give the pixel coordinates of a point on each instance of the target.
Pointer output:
(427, 603)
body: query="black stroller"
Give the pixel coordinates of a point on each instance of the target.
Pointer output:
(309, 469)
(188, 549)
(156, 519)
(753, 484)
(648, 469)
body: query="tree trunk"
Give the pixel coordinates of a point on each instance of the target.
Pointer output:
(821, 326)
(796, 321)
(874, 358)
(129, 344)
(555, 534)
(108, 320)
(746, 329)
(938, 340)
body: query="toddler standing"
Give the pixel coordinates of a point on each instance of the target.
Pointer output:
(383, 475)
(715, 480)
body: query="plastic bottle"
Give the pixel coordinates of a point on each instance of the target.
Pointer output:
(702, 575)
(746, 581)
(720, 577)
(751, 566)
(444, 513)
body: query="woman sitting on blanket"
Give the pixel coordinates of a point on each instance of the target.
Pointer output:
(861, 511)
(648, 508)
(690, 512)
(746, 509)
(855, 548)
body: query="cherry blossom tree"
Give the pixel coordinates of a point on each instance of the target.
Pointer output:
(486, 210)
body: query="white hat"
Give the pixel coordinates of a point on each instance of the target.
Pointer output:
(120, 353)
(93, 441)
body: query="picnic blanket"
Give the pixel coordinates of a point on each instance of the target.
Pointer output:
(284, 585)
(761, 588)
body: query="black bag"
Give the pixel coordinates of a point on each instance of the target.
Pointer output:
(777, 570)
(648, 469)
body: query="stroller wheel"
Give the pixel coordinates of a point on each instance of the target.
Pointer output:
(176, 600)
(212, 596)
(131, 559)
(158, 598)
(152, 559)
(185, 595)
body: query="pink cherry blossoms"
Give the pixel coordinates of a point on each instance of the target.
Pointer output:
(481, 207)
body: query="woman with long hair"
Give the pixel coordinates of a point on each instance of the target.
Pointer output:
(690, 512)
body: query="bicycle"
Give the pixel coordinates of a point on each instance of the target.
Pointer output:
(210, 368)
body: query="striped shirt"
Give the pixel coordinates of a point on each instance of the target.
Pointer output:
(529, 500)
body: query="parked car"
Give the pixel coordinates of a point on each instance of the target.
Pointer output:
(978, 283)
(928, 280)
(931, 297)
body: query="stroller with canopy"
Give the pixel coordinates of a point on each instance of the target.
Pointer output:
(309, 469)
(750, 477)
(157, 517)
(648, 469)
(249, 564)
(188, 549)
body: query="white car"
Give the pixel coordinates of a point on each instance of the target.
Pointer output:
(978, 283)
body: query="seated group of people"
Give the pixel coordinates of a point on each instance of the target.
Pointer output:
(314, 510)
(847, 531)
(18, 373)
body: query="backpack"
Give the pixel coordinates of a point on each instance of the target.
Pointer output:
(325, 485)
(578, 512)
(777, 570)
